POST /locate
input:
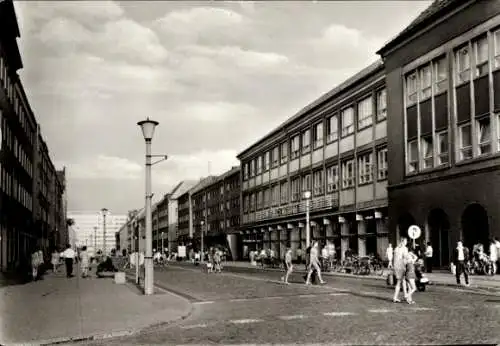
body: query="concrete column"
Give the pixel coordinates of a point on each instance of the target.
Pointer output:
(382, 237)
(361, 240)
(295, 241)
(265, 243)
(329, 230)
(344, 241)
(283, 241)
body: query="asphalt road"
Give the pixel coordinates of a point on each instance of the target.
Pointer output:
(255, 308)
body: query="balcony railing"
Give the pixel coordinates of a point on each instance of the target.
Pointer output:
(320, 203)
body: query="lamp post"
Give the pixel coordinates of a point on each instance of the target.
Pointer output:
(148, 129)
(162, 248)
(202, 223)
(104, 211)
(95, 240)
(307, 196)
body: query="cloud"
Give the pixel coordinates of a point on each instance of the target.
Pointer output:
(103, 167)
(216, 112)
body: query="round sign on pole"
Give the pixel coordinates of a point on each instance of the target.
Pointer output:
(414, 232)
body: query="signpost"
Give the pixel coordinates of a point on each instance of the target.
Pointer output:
(414, 232)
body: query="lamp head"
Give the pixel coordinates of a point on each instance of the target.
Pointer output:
(307, 194)
(148, 128)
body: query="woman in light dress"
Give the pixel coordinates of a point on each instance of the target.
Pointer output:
(410, 259)
(84, 262)
(55, 259)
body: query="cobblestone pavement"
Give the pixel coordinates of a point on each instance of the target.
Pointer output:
(237, 308)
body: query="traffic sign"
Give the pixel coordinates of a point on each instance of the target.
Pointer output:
(414, 232)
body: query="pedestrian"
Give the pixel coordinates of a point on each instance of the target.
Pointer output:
(493, 256)
(460, 258)
(497, 243)
(288, 265)
(314, 264)
(331, 255)
(429, 253)
(55, 260)
(390, 255)
(69, 256)
(410, 276)
(400, 253)
(35, 263)
(84, 262)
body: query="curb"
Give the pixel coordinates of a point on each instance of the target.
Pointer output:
(121, 333)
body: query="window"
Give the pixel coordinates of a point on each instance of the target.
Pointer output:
(465, 141)
(266, 160)
(318, 182)
(276, 157)
(427, 152)
(306, 183)
(442, 148)
(275, 193)
(267, 201)
(258, 165)
(497, 48)
(252, 202)
(483, 129)
(318, 135)
(382, 104)
(306, 141)
(382, 164)
(412, 156)
(259, 200)
(365, 168)
(284, 152)
(440, 75)
(332, 129)
(294, 147)
(462, 58)
(348, 174)
(332, 179)
(295, 189)
(411, 89)
(347, 121)
(284, 192)
(481, 54)
(250, 169)
(365, 113)
(425, 82)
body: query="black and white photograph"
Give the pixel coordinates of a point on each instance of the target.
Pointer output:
(249, 172)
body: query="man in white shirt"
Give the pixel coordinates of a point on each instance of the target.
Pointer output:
(429, 252)
(390, 255)
(497, 243)
(69, 256)
(460, 259)
(494, 255)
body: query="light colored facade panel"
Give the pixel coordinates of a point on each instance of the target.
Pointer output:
(283, 170)
(331, 150)
(274, 173)
(317, 156)
(347, 144)
(294, 165)
(265, 178)
(364, 137)
(305, 161)
(364, 193)
(381, 130)
(346, 197)
(381, 190)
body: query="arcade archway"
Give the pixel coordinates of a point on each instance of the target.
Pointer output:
(439, 229)
(475, 226)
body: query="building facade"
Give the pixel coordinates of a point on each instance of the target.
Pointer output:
(216, 211)
(443, 72)
(336, 149)
(25, 222)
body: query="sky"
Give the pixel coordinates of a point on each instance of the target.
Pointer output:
(217, 75)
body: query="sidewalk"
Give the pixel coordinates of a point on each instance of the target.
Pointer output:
(58, 309)
(436, 278)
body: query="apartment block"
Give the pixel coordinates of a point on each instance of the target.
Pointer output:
(336, 149)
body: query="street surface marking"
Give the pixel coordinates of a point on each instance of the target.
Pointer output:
(368, 293)
(337, 313)
(292, 317)
(273, 297)
(461, 307)
(337, 294)
(422, 309)
(381, 311)
(245, 321)
(308, 295)
(239, 300)
(205, 302)
(195, 326)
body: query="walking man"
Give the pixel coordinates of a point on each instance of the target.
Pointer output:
(314, 264)
(390, 254)
(400, 253)
(428, 257)
(493, 256)
(69, 256)
(461, 257)
(288, 265)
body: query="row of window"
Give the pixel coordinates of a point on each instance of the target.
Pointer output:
(11, 187)
(219, 225)
(427, 126)
(15, 146)
(280, 193)
(301, 143)
(15, 98)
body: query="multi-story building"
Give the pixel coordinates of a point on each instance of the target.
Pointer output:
(62, 211)
(443, 73)
(335, 148)
(89, 228)
(23, 225)
(216, 204)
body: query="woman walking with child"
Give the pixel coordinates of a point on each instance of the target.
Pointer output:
(410, 259)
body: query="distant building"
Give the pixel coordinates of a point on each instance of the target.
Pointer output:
(89, 229)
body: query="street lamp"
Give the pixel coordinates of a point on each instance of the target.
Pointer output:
(162, 248)
(104, 211)
(202, 223)
(148, 129)
(307, 196)
(95, 240)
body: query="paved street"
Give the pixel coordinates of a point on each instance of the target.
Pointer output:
(255, 308)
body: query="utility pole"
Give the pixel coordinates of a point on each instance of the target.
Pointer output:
(95, 240)
(104, 211)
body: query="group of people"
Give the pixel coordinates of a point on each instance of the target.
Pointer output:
(313, 264)
(403, 262)
(69, 256)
